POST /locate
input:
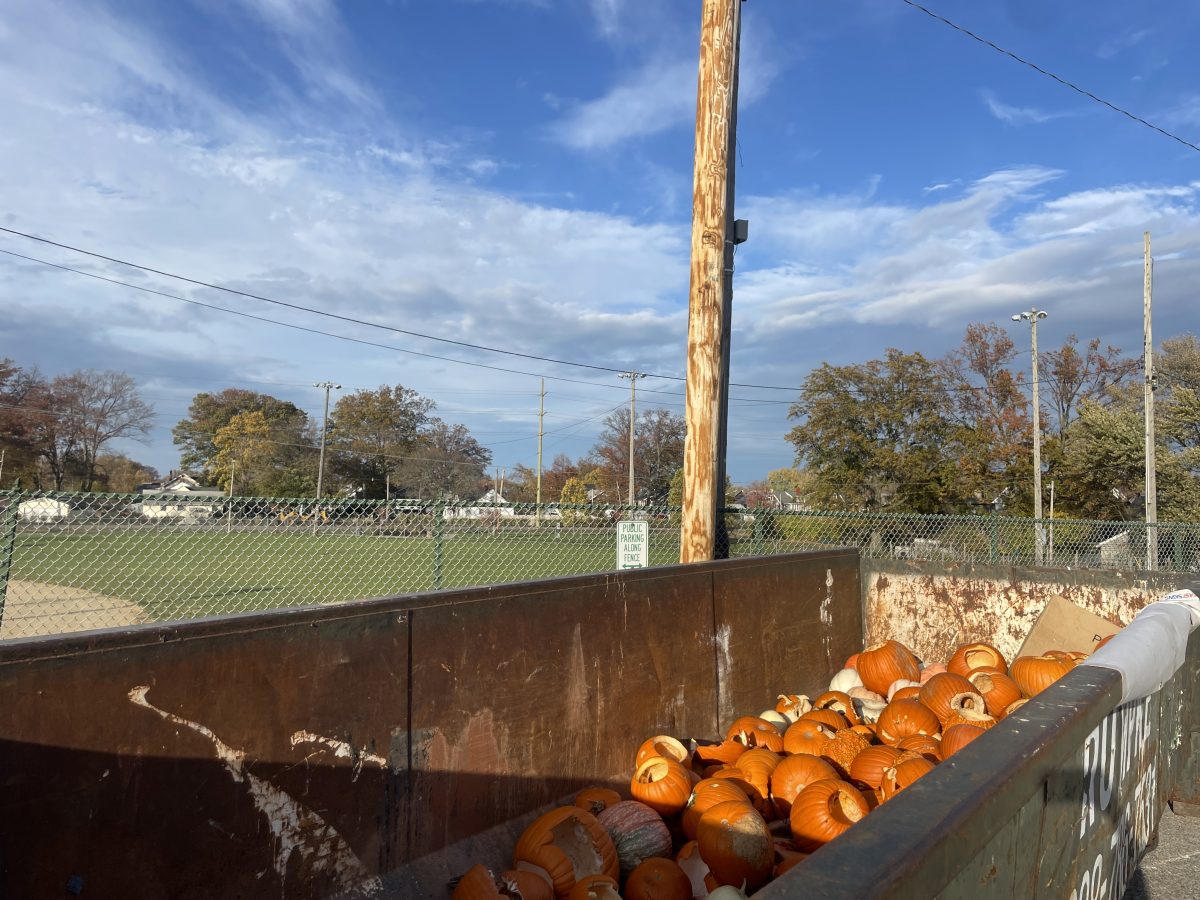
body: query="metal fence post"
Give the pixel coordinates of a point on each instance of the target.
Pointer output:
(8, 544)
(758, 532)
(439, 534)
(995, 536)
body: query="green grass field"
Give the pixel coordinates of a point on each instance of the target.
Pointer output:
(184, 573)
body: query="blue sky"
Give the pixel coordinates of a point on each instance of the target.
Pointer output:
(517, 173)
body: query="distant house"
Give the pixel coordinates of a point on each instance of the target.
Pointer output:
(43, 509)
(180, 498)
(490, 504)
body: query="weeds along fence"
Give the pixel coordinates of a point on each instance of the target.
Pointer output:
(77, 561)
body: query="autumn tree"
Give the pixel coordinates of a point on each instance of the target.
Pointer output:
(657, 451)
(1069, 378)
(877, 435)
(97, 408)
(993, 427)
(446, 462)
(371, 434)
(195, 435)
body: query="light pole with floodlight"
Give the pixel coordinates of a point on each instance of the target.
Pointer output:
(1032, 317)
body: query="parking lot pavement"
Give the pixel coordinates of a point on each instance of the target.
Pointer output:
(1172, 870)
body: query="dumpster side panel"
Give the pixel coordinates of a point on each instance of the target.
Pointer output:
(789, 629)
(307, 752)
(549, 692)
(166, 768)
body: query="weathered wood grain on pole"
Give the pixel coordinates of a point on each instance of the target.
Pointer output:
(706, 319)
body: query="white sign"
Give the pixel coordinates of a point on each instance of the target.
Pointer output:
(633, 545)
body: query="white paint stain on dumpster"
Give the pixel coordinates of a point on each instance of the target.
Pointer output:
(342, 750)
(295, 828)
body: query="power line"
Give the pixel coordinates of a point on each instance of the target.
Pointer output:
(308, 309)
(317, 331)
(1051, 75)
(361, 341)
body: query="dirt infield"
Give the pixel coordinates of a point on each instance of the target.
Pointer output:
(35, 608)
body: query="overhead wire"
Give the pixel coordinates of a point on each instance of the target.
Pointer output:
(1047, 73)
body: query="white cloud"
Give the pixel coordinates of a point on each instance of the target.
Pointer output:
(1019, 115)
(661, 94)
(1111, 48)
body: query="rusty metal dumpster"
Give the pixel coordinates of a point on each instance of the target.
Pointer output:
(380, 747)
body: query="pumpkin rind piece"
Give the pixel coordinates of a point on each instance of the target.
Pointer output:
(792, 775)
(969, 657)
(569, 844)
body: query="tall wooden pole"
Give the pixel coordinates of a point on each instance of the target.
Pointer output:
(703, 455)
(537, 513)
(1151, 491)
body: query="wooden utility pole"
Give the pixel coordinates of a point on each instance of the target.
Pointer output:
(1151, 491)
(709, 300)
(633, 377)
(537, 515)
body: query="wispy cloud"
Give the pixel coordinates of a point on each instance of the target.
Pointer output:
(1112, 47)
(662, 94)
(1019, 115)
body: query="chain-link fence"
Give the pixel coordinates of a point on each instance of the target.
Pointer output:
(71, 562)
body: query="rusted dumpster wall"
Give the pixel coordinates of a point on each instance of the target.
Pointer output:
(935, 606)
(304, 753)
(1058, 800)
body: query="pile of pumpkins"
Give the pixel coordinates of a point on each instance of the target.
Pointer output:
(720, 819)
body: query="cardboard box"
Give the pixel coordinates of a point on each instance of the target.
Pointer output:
(1065, 626)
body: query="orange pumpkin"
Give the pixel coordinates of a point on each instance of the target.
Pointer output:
(908, 692)
(839, 702)
(902, 718)
(885, 663)
(595, 887)
(569, 844)
(851, 661)
(1065, 655)
(754, 731)
(530, 885)
(1104, 640)
(998, 691)
(867, 768)
(662, 784)
(662, 745)
(706, 794)
(757, 766)
(596, 799)
(829, 717)
(658, 879)
(792, 775)
(929, 746)
(723, 753)
(867, 731)
(793, 706)
(896, 778)
(940, 690)
(479, 883)
(971, 656)
(958, 736)
(736, 844)
(1034, 674)
(806, 736)
(825, 809)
